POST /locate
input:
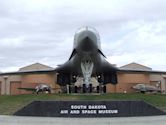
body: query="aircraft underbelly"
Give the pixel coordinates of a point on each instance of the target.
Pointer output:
(77, 60)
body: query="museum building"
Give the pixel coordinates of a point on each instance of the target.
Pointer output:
(9, 84)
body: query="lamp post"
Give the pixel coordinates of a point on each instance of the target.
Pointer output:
(5, 78)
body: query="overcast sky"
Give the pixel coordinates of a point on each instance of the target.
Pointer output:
(43, 31)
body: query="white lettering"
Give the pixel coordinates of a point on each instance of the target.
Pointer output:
(97, 107)
(78, 107)
(89, 112)
(107, 111)
(64, 112)
(74, 112)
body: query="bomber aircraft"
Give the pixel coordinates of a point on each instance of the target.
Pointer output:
(87, 60)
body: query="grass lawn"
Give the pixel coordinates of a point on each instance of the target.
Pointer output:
(10, 104)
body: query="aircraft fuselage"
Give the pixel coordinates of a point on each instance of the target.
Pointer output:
(87, 59)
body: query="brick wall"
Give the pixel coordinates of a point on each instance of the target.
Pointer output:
(14, 85)
(127, 81)
(32, 80)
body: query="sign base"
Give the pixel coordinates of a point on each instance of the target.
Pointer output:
(89, 109)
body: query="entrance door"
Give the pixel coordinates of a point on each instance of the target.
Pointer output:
(14, 88)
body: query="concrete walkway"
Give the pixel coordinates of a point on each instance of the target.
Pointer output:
(17, 120)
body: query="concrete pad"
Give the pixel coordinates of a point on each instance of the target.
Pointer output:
(21, 120)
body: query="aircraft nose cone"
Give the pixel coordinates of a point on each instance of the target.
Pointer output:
(86, 44)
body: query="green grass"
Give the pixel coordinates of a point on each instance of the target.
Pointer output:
(10, 104)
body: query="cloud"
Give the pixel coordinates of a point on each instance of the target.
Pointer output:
(145, 44)
(43, 30)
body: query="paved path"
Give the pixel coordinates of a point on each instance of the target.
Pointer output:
(17, 120)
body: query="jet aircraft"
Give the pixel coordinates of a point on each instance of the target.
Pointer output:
(87, 60)
(39, 88)
(146, 88)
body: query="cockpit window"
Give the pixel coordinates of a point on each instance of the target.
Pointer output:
(141, 85)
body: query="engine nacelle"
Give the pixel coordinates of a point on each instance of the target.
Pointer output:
(64, 79)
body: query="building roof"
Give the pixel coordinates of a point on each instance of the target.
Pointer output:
(36, 66)
(135, 66)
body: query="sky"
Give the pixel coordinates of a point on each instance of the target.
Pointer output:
(43, 31)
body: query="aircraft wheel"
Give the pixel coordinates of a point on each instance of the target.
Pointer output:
(143, 92)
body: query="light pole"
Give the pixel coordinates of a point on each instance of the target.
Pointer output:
(5, 78)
